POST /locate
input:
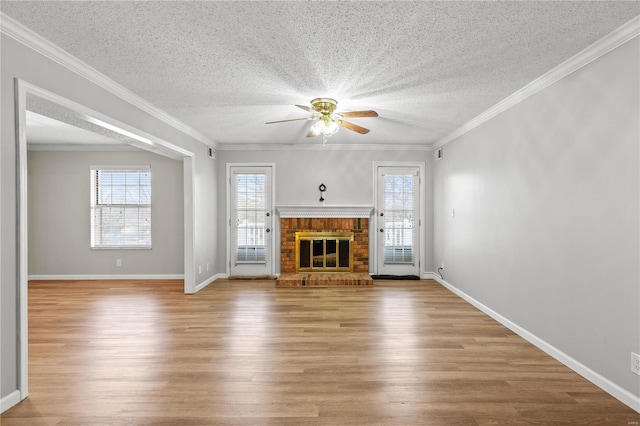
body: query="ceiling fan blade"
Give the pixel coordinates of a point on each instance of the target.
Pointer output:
(353, 127)
(306, 108)
(311, 135)
(293, 119)
(369, 113)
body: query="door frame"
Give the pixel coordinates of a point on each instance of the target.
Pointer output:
(21, 89)
(373, 236)
(274, 227)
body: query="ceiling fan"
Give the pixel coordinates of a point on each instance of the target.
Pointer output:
(328, 122)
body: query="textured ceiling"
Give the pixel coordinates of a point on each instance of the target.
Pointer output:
(225, 68)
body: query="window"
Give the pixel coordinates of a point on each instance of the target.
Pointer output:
(251, 213)
(120, 207)
(400, 195)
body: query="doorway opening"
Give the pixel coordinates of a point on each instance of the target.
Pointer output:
(32, 99)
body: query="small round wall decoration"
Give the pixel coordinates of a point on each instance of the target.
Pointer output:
(322, 188)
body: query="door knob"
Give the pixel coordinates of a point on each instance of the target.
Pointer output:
(381, 214)
(268, 230)
(381, 230)
(268, 214)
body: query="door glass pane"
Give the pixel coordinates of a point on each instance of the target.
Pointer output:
(318, 253)
(331, 253)
(343, 250)
(399, 199)
(251, 218)
(305, 254)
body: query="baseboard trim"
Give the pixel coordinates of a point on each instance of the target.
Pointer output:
(429, 276)
(105, 277)
(605, 384)
(9, 401)
(209, 281)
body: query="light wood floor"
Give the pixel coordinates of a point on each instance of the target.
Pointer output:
(246, 353)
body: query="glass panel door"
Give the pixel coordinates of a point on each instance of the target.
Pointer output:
(250, 221)
(398, 219)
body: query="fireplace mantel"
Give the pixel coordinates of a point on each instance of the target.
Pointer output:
(325, 211)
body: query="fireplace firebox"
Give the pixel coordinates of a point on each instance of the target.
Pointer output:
(324, 251)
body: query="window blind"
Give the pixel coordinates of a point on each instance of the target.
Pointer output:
(120, 207)
(250, 218)
(400, 198)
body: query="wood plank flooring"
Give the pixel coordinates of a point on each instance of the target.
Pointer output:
(247, 353)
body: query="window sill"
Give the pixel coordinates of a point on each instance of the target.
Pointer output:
(121, 248)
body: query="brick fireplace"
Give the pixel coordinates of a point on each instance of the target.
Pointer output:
(328, 220)
(289, 227)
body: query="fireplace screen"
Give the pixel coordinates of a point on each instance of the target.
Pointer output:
(324, 252)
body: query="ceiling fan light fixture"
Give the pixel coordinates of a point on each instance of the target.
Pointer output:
(317, 128)
(331, 128)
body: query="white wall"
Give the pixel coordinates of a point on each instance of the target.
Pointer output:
(546, 226)
(19, 61)
(206, 219)
(348, 175)
(59, 216)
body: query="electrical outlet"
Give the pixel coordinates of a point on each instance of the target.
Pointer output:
(118, 262)
(207, 266)
(635, 363)
(199, 269)
(442, 266)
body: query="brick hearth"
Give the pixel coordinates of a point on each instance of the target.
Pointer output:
(324, 279)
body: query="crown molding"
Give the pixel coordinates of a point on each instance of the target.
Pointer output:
(27, 37)
(324, 211)
(312, 146)
(601, 47)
